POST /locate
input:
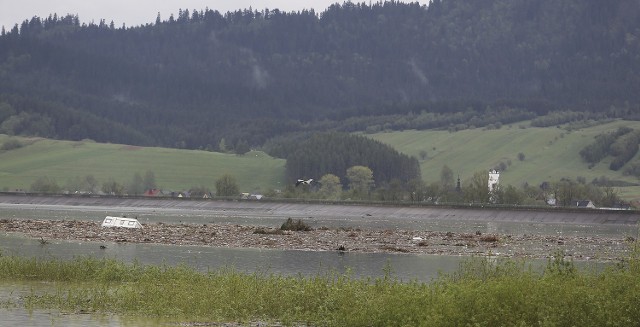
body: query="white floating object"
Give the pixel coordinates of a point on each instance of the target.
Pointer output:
(417, 238)
(121, 222)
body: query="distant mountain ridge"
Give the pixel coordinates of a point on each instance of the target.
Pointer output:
(241, 77)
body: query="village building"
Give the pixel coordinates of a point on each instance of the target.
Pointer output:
(583, 204)
(494, 177)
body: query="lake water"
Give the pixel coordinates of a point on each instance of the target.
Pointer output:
(404, 266)
(251, 217)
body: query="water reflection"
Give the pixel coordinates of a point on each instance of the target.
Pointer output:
(13, 312)
(18, 316)
(285, 262)
(405, 267)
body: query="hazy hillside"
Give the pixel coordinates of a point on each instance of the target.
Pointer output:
(192, 80)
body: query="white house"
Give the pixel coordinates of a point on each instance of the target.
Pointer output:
(583, 204)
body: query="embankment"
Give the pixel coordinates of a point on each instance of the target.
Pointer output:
(345, 210)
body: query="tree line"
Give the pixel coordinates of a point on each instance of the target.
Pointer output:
(192, 79)
(359, 184)
(334, 153)
(621, 144)
(138, 185)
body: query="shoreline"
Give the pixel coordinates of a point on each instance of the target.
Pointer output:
(346, 240)
(345, 210)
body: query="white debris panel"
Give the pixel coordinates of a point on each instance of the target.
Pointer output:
(124, 222)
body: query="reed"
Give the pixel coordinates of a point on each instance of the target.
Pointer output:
(483, 292)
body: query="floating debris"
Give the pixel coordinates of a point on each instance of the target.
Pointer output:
(121, 222)
(342, 240)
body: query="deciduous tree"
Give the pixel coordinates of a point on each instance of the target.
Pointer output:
(149, 180)
(136, 186)
(360, 180)
(446, 178)
(226, 186)
(45, 184)
(112, 187)
(330, 187)
(477, 191)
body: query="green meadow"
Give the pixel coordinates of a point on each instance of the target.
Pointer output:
(550, 153)
(174, 169)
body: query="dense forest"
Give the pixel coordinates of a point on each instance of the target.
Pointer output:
(203, 79)
(334, 153)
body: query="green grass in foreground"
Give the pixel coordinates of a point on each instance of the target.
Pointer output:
(481, 293)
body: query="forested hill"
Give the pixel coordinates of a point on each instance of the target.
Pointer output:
(244, 76)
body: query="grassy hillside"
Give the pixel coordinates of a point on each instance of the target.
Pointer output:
(549, 153)
(174, 169)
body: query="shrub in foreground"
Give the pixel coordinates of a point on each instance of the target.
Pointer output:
(295, 225)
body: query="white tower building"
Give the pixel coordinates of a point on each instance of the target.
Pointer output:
(494, 177)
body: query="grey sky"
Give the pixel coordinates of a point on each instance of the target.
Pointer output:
(137, 12)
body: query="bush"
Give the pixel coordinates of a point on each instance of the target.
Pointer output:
(227, 186)
(625, 148)
(603, 146)
(11, 144)
(295, 225)
(45, 185)
(633, 169)
(557, 118)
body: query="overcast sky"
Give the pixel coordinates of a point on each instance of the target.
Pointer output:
(139, 12)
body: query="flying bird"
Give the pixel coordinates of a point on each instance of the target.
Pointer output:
(304, 182)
